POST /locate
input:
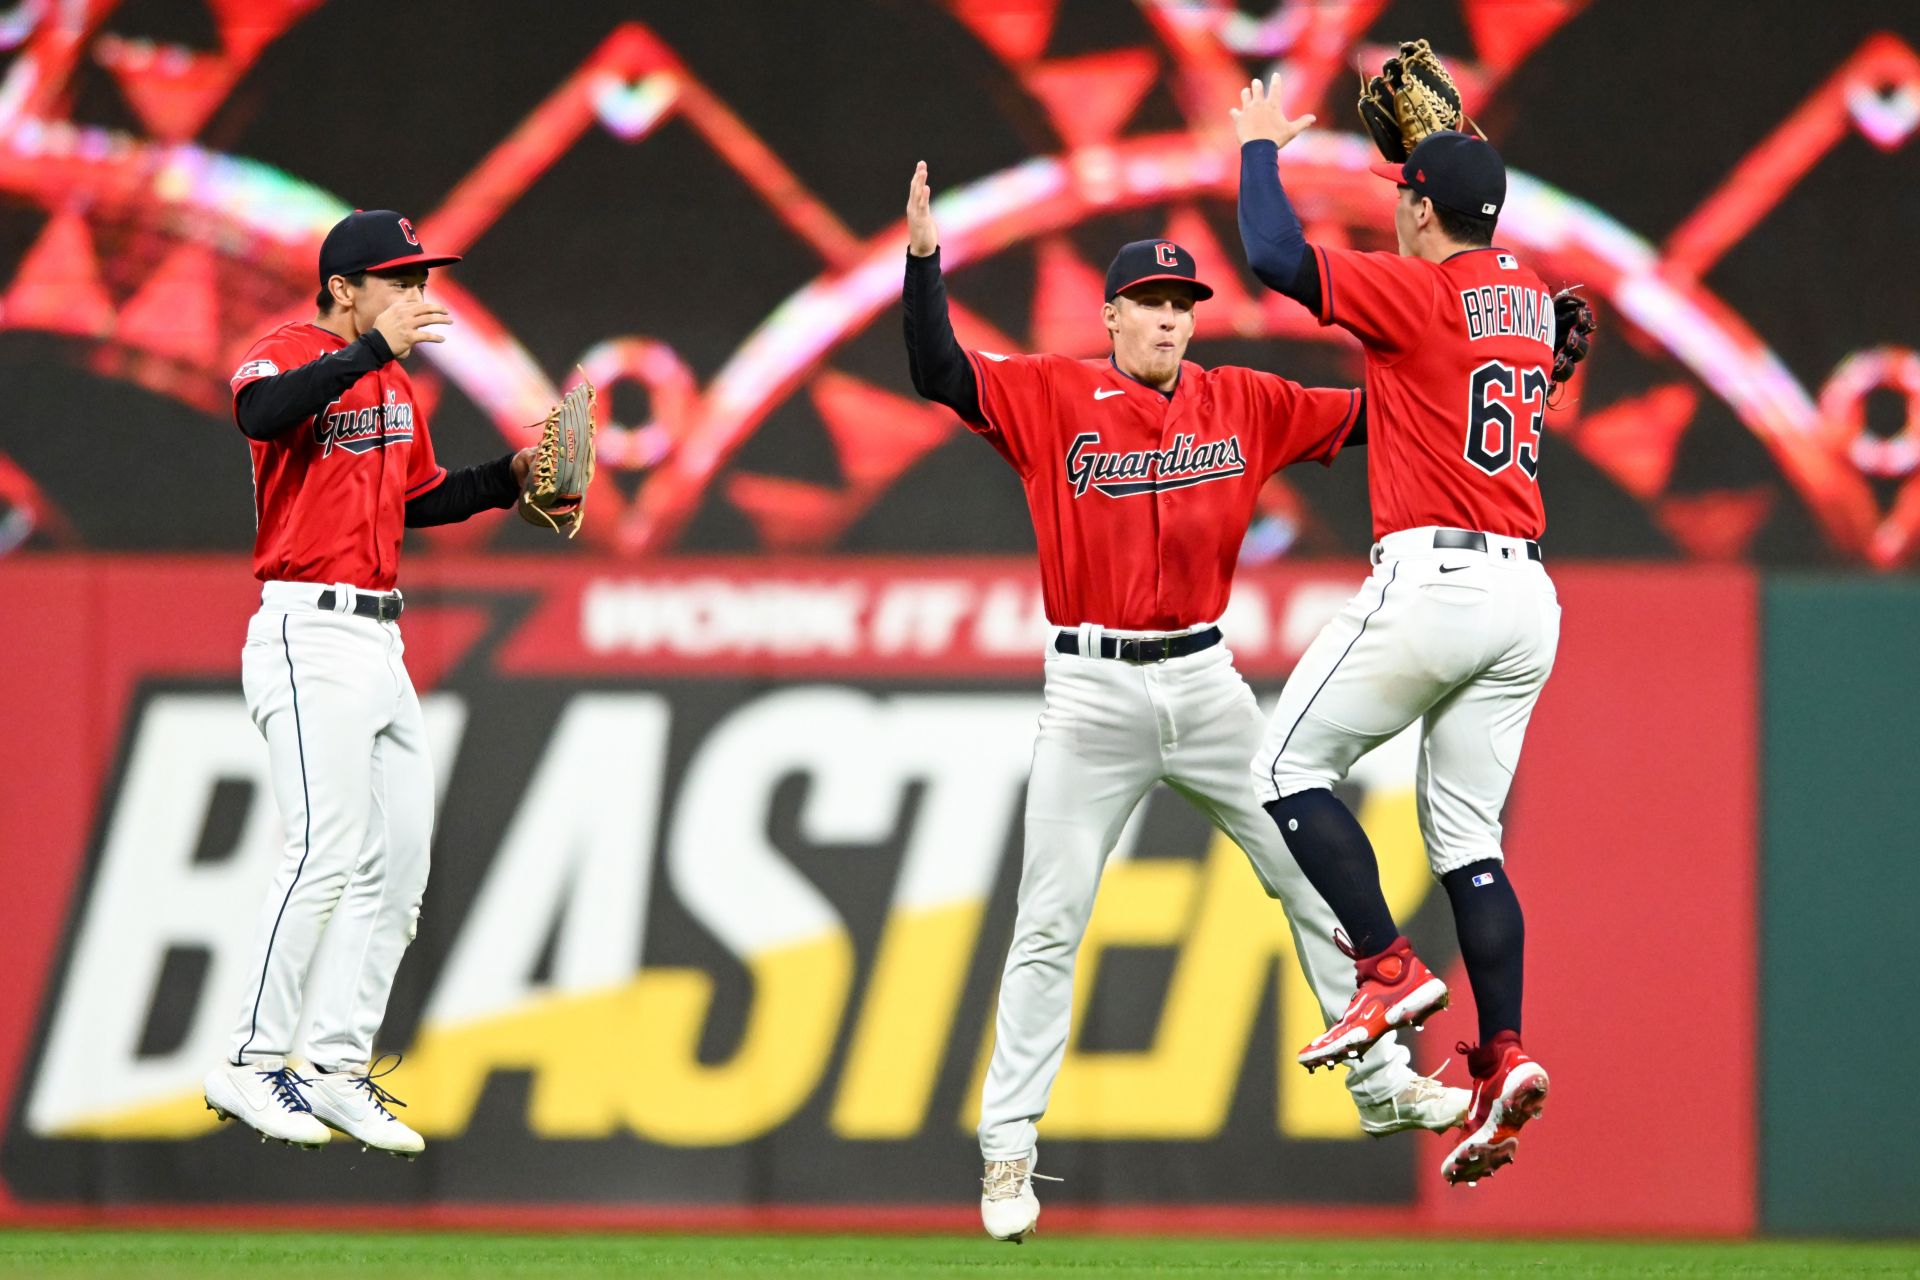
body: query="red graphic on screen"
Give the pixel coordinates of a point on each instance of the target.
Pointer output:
(217, 268)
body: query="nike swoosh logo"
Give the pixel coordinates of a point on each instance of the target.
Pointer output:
(1454, 568)
(1103, 395)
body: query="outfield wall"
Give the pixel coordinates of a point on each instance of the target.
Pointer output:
(1842, 873)
(755, 967)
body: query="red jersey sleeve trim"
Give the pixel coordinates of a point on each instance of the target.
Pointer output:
(430, 483)
(1326, 284)
(980, 389)
(1338, 439)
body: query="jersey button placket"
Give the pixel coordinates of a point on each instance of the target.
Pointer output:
(379, 469)
(1170, 412)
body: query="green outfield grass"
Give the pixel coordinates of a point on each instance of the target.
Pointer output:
(261, 1256)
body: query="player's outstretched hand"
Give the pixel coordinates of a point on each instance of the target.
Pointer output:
(1260, 117)
(405, 323)
(922, 236)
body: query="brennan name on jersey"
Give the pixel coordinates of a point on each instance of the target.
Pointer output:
(1508, 311)
(1126, 474)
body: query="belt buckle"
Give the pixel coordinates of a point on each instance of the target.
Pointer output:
(1149, 650)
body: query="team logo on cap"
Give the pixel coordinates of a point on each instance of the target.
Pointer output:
(1167, 255)
(406, 229)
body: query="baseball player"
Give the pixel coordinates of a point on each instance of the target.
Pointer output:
(1141, 471)
(341, 462)
(1458, 625)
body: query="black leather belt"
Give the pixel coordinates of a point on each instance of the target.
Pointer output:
(1145, 648)
(367, 605)
(1470, 540)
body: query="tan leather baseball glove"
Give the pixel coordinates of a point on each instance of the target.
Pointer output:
(555, 495)
(1413, 96)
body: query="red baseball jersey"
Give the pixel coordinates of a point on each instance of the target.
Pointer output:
(1457, 359)
(330, 493)
(1139, 502)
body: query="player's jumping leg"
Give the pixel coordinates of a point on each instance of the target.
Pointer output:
(353, 969)
(1093, 760)
(1209, 768)
(1469, 747)
(1392, 987)
(1350, 692)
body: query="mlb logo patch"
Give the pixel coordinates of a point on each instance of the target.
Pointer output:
(1482, 880)
(1508, 262)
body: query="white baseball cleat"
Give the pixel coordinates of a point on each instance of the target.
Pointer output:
(351, 1101)
(265, 1095)
(1008, 1207)
(1424, 1103)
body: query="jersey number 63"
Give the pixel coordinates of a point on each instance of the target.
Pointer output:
(1500, 399)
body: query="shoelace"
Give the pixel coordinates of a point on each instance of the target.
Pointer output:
(1425, 1084)
(381, 1098)
(1004, 1179)
(286, 1084)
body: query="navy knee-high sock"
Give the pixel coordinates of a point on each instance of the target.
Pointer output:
(1334, 852)
(1493, 934)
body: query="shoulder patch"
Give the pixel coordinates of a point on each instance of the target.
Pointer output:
(255, 369)
(991, 355)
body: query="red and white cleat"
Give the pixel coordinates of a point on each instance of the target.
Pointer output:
(1509, 1089)
(1393, 989)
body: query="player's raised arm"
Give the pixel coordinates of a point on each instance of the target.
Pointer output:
(923, 237)
(1270, 231)
(267, 399)
(1260, 116)
(939, 367)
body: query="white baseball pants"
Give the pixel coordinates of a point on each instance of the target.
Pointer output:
(1461, 640)
(348, 750)
(1109, 731)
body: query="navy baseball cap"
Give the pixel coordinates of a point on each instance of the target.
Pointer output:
(1145, 260)
(1455, 170)
(374, 240)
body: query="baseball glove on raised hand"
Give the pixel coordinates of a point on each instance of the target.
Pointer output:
(555, 495)
(1412, 97)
